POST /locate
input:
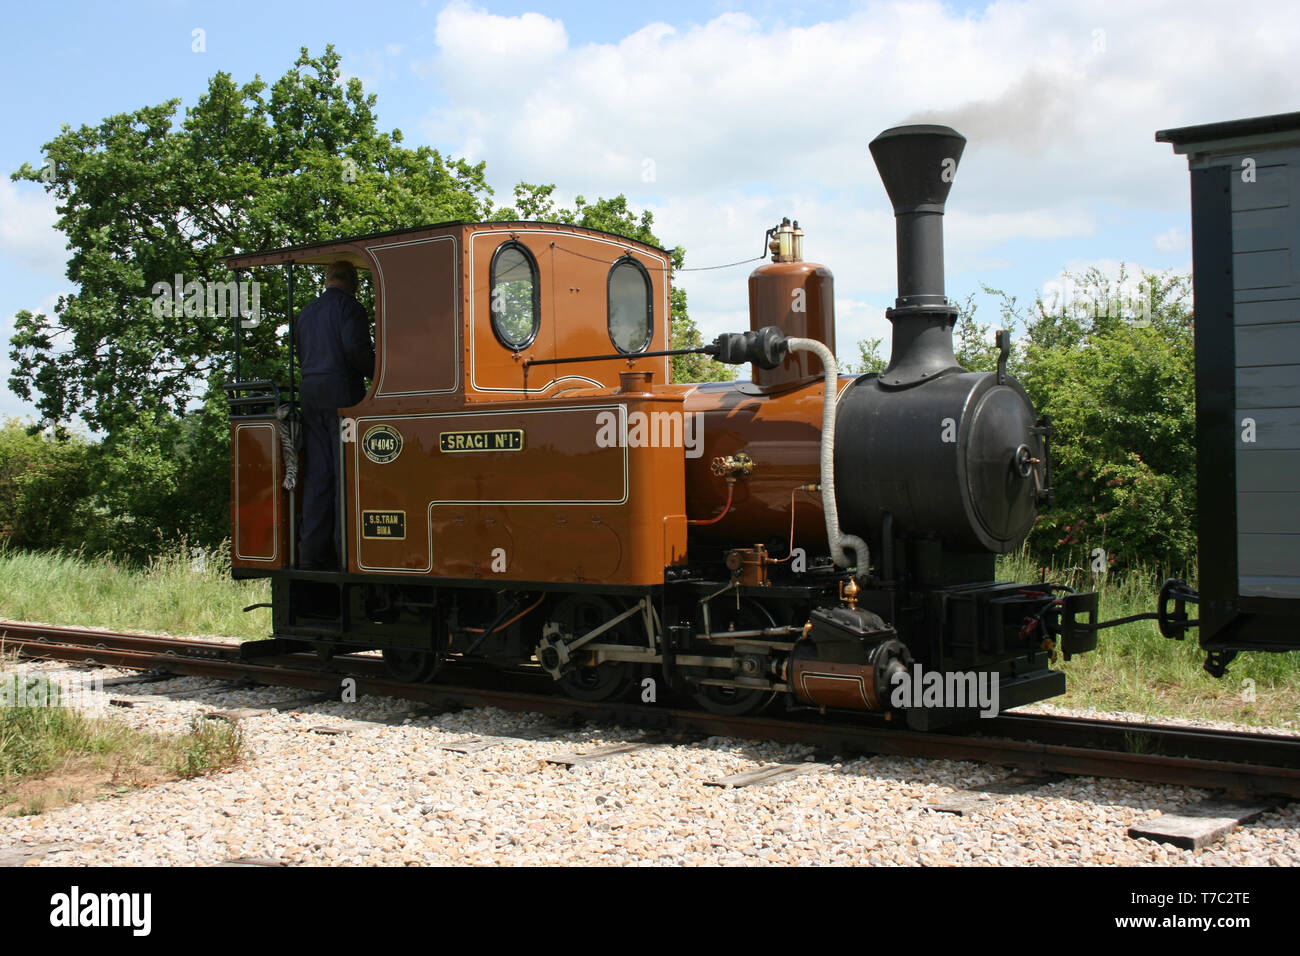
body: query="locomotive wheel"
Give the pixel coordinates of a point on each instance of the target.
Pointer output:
(735, 701)
(578, 614)
(410, 666)
(732, 701)
(605, 682)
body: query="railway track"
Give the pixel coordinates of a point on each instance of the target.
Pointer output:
(1236, 762)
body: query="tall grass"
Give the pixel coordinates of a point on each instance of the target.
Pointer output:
(44, 745)
(209, 746)
(181, 591)
(32, 739)
(1135, 668)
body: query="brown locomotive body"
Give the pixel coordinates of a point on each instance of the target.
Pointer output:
(497, 456)
(522, 485)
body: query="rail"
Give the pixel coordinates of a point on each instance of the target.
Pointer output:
(1235, 761)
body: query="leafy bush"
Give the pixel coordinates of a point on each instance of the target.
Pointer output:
(151, 482)
(46, 489)
(1120, 389)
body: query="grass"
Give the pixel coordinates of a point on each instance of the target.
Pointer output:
(1135, 669)
(33, 739)
(211, 745)
(180, 592)
(53, 755)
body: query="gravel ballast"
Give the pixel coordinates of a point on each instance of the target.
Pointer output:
(382, 791)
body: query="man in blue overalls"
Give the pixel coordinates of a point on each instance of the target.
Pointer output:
(334, 346)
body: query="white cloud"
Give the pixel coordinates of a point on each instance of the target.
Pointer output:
(746, 121)
(730, 101)
(1173, 240)
(962, 226)
(373, 67)
(27, 232)
(477, 46)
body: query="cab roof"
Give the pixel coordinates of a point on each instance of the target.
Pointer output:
(323, 253)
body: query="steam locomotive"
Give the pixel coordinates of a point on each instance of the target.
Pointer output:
(524, 488)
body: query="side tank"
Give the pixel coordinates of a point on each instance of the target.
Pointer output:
(958, 457)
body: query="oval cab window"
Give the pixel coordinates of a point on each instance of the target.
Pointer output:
(631, 315)
(515, 300)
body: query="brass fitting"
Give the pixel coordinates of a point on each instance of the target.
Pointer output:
(749, 565)
(731, 467)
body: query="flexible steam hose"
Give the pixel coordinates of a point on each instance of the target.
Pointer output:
(840, 543)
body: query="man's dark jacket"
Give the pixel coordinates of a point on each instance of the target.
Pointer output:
(334, 346)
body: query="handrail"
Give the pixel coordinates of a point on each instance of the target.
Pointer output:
(266, 396)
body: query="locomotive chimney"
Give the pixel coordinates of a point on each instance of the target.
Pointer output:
(917, 164)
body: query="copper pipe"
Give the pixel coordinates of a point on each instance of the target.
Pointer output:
(790, 551)
(502, 627)
(731, 490)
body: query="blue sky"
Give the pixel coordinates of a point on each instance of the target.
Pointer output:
(747, 112)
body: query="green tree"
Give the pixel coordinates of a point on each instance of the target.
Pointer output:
(1117, 378)
(156, 482)
(870, 360)
(972, 342)
(146, 196)
(143, 198)
(46, 488)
